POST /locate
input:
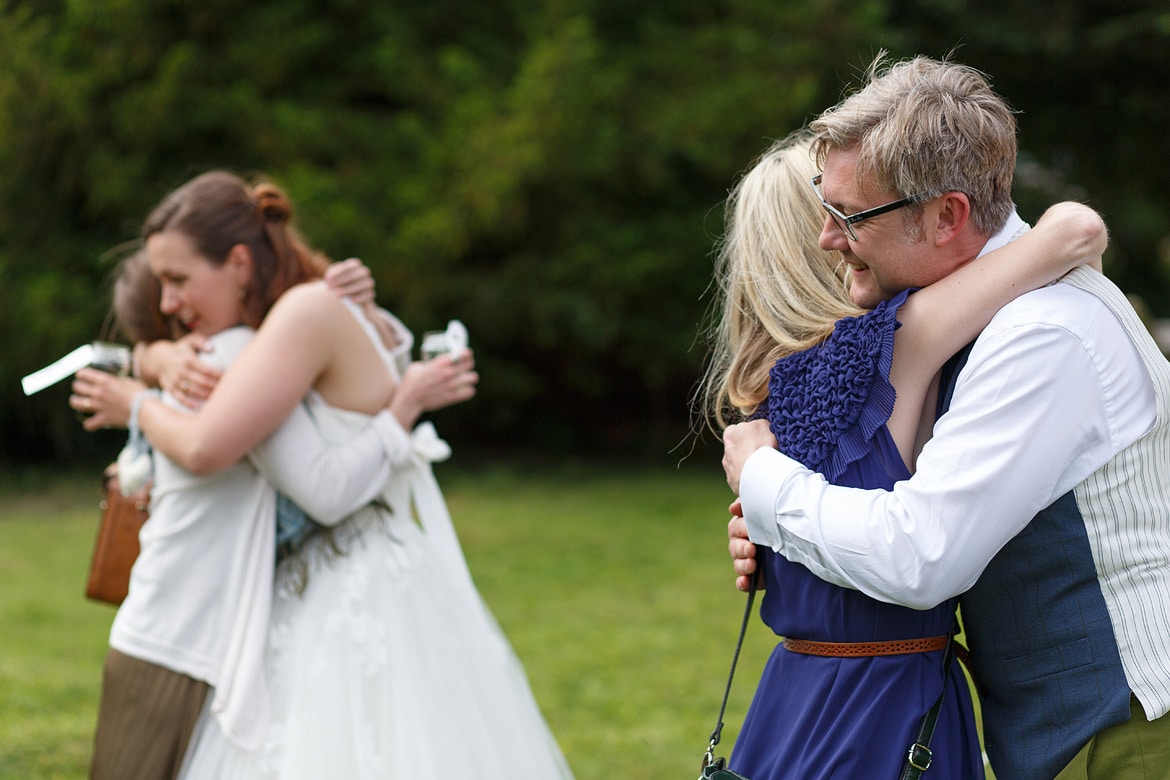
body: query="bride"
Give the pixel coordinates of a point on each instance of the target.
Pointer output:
(382, 659)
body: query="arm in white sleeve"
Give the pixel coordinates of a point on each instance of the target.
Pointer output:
(331, 481)
(1026, 424)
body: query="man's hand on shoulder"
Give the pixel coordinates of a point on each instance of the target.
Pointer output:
(739, 442)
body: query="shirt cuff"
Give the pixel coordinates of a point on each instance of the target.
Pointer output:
(764, 473)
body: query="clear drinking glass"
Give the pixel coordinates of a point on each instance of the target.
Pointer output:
(112, 358)
(434, 343)
(451, 341)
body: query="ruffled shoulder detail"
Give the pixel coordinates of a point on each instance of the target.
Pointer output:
(826, 403)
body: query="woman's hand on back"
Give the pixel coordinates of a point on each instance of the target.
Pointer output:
(351, 279)
(180, 370)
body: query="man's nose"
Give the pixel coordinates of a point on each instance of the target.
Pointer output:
(832, 236)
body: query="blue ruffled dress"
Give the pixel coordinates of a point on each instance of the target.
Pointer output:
(847, 718)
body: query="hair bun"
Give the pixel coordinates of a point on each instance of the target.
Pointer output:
(272, 203)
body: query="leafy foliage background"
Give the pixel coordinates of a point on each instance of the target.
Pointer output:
(552, 173)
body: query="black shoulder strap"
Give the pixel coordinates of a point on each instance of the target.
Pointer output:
(919, 757)
(747, 614)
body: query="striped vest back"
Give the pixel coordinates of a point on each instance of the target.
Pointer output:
(1070, 616)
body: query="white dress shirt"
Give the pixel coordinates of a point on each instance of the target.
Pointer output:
(1053, 389)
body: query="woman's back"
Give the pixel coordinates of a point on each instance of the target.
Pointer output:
(314, 337)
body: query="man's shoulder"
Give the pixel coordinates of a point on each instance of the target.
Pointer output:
(1056, 305)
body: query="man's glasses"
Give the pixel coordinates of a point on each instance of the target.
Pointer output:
(847, 221)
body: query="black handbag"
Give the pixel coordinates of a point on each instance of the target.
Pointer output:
(715, 771)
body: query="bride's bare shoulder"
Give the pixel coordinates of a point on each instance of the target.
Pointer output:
(311, 301)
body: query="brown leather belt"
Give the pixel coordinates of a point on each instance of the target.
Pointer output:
(867, 649)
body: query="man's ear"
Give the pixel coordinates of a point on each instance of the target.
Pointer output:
(954, 210)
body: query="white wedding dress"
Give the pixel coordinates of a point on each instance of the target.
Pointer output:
(388, 664)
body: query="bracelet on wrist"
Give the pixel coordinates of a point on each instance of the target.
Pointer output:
(136, 407)
(136, 359)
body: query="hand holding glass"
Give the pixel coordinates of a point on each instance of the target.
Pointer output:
(112, 358)
(452, 342)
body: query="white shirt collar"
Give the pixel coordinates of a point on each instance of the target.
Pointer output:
(1012, 229)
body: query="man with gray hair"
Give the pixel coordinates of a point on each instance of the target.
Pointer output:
(1041, 494)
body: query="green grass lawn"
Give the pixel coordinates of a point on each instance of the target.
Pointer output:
(53, 639)
(614, 588)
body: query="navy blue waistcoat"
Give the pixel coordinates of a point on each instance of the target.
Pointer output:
(1045, 659)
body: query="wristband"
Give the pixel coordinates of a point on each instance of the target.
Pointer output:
(135, 408)
(134, 463)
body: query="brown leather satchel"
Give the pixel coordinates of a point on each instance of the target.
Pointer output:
(117, 540)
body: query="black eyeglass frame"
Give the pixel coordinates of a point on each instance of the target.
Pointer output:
(847, 221)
